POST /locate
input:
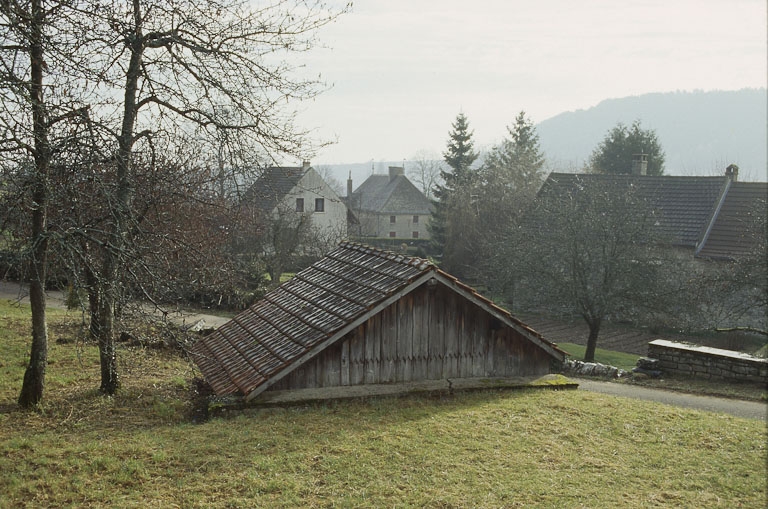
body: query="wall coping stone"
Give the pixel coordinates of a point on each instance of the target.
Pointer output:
(719, 352)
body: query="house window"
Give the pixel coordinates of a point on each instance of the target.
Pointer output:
(299, 204)
(392, 219)
(319, 204)
(415, 235)
(392, 235)
(415, 219)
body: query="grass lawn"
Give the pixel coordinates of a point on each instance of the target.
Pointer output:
(484, 449)
(625, 361)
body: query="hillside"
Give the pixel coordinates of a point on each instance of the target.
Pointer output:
(701, 132)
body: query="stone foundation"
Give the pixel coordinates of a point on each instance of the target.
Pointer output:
(705, 362)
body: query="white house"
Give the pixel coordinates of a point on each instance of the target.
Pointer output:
(300, 192)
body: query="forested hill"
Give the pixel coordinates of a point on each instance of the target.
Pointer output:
(701, 132)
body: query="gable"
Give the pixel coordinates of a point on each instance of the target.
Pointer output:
(316, 308)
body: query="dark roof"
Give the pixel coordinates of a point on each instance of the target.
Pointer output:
(390, 195)
(685, 204)
(317, 307)
(734, 230)
(274, 183)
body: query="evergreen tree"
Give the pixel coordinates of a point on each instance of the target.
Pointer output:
(516, 164)
(454, 217)
(460, 155)
(511, 175)
(614, 154)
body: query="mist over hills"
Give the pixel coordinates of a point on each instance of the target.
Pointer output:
(701, 133)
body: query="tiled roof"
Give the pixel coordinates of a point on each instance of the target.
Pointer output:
(274, 183)
(390, 195)
(686, 204)
(734, 229)
(315, 308)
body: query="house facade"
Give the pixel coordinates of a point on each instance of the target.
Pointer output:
(288, 193)
(390, 207)
(363, 316)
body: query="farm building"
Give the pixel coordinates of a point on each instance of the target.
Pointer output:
(362, 316)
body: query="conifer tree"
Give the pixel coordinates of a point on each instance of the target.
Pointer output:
(614, 154)
(511, 175)
(454, 218)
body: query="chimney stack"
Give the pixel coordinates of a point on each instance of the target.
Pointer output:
(732, 172)
(305, 165)
(394, 171)
(349, 185)
(640, 164)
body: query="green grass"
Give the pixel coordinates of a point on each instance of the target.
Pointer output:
(483, 449)
(622, 360)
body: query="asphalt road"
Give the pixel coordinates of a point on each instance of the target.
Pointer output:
(748, 409)
(737, 407)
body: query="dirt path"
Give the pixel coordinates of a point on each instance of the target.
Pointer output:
(55, 299)
(737, 407)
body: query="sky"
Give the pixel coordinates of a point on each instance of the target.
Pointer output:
(400, 71)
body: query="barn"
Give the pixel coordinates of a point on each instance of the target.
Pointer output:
(363, 316)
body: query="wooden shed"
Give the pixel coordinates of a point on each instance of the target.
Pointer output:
(365, 316)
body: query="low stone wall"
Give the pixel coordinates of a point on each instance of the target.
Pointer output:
(705, 362)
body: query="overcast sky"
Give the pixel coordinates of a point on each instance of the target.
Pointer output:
(402, 70)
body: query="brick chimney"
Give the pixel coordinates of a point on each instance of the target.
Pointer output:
(394, 171)
(732, 172)
(305, 165)
(349, 184)
(640, 164)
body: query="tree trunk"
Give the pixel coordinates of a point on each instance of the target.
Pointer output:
(275, 273)
(594, 330)
(114, 252)
(34, 376)
(93, 303)
(110, 381)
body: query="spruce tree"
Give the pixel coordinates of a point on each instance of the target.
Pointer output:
(510, 177)
(453, 219)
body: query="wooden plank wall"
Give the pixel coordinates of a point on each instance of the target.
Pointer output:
(429, 334)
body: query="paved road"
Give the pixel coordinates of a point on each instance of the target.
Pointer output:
(739, 408)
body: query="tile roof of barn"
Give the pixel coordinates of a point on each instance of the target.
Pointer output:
(315, 308)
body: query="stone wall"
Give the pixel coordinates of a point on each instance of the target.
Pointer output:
(705, 362)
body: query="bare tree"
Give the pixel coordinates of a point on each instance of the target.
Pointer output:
(176, 64)
(326, 173)
(41, 120)
(592, 250)
(425, 171)
(729, 294)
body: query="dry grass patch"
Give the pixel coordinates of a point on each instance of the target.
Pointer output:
(485, 449)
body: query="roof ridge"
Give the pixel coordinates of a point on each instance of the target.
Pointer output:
(413, 261)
